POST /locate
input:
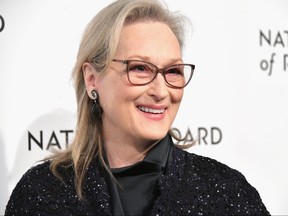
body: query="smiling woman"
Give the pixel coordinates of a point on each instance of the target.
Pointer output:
(127, 117)
(129, 80)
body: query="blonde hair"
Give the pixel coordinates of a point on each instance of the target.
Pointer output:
(98, 45)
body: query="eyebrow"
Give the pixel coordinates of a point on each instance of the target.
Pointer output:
(147, 59)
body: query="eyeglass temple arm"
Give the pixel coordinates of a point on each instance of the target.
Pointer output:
(120, 61)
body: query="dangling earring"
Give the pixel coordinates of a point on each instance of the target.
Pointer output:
(96, 108)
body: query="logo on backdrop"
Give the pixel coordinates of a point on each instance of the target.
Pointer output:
(276, 42)
(60, 139)
(45, 140)
(2, 23)
(204, 135)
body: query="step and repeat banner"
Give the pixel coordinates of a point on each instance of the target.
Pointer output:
(236, 105)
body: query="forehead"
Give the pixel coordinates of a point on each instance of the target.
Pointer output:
(148, 39)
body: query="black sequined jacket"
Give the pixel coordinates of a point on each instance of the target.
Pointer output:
(191, 185)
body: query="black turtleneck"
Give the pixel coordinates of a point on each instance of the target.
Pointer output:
(137, 184)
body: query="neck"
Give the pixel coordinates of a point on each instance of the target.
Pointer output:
(124, 154)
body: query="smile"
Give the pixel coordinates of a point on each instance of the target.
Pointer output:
(150, 110)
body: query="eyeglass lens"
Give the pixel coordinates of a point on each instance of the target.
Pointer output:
(143, 72)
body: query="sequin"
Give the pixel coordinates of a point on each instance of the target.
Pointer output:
(191, 185)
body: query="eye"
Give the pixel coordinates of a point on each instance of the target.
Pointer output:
(138, 67)
(175, 71)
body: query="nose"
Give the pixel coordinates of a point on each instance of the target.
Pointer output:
(158, 88)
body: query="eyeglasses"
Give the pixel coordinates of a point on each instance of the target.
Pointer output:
(142, 73)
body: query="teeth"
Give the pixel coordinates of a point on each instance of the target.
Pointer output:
(150, 110)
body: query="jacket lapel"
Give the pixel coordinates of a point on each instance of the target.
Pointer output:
(169, 182)
(96, 189)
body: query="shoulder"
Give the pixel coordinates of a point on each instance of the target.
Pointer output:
(206, 167)
(212, 182)
(40, 192)
(37, 188)
(37, 172)
(37, 176)
(41, 176)
(214, 173)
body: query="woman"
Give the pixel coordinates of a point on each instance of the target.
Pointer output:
(129, 79)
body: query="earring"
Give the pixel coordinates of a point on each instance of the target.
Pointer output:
(96, 108)
(94, 95)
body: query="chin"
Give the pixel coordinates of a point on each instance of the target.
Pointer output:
(156, 135)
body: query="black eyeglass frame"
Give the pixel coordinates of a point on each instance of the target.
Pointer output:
(158, 70)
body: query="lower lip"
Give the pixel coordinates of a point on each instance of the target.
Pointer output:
(153, 116)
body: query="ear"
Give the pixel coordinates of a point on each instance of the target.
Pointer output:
(90, 77)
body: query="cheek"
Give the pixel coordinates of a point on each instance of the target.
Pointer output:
(115, 95)
(176, 96)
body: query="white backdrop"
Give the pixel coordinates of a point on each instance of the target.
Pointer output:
(236, 103)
